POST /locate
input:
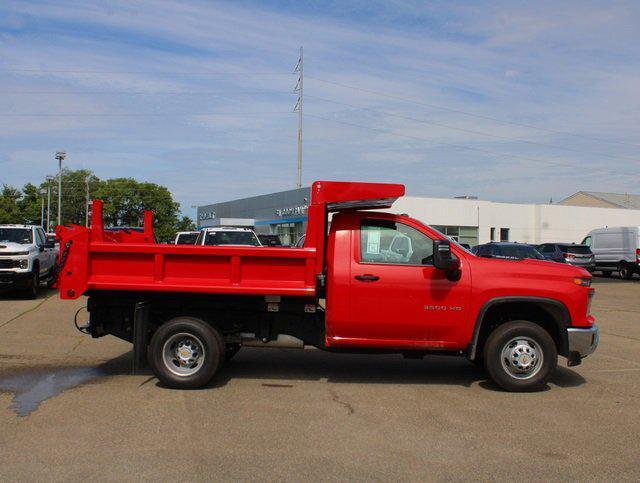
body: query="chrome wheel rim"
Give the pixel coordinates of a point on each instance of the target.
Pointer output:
(522, 357)
(183, 354)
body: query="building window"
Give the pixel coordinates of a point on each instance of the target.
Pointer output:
(504, 234)
(289, 233)
(493, 234)
(461, 234)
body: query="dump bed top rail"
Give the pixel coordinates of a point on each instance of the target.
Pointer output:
(131, 261)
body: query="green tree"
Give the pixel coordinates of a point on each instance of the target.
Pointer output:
(9, 209)
(125, 202)
(74, 195)
(185, 224)
(126, 199)
(30, 205)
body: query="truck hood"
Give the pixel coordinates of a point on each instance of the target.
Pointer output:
(10, 248)
(530, 266)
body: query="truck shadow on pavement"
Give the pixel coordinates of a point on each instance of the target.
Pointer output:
(277, 365)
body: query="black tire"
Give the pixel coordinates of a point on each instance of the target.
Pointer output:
(231, 350)
(195, 330)
(624, 271)
(543, 347)
(606, 273)
(34, 285)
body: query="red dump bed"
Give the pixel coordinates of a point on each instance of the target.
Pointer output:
(96, 260)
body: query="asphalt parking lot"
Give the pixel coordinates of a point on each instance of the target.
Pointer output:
(70, 409)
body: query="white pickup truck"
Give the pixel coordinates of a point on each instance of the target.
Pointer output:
(27, 257)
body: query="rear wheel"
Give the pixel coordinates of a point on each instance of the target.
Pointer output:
(185, 353)
(520, 356)
(625, 271)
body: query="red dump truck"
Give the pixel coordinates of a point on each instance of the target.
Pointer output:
(366, 282)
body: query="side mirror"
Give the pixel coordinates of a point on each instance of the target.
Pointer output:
(444, 259)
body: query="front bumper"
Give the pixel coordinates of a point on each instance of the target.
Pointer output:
(582, 342)
(10, 279)
(590, 266)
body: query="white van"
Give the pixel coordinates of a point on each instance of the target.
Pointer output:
(616, 249)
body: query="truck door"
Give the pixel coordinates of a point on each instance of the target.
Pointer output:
(44, 257)
(397, 297)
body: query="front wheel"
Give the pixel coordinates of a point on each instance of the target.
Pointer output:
(34, 285)
(520, 356)
(185, 353)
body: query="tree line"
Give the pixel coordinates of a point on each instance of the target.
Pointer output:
(125, 200)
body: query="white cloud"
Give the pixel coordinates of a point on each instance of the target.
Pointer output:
(567, 67)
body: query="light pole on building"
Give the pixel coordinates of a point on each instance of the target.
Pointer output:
(197, 222)
(60, 155)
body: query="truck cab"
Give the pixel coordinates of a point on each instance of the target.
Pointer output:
(27, 257)
(371, 282)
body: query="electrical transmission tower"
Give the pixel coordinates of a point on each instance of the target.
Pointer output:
(299, 89)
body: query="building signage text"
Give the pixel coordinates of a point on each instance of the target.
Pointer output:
(207, 215)
(293, 210)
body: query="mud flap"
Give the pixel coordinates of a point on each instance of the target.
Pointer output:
(141, 318)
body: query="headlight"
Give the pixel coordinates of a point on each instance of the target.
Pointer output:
(585, 282)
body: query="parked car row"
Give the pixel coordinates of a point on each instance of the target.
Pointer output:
(607, 250)
(227, 235)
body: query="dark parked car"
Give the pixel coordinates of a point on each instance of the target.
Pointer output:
(270, 240)
(578, 255)
(507, 250)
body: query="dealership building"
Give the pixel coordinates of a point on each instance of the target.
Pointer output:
(465, 219)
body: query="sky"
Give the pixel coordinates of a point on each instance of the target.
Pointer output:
(505, 100)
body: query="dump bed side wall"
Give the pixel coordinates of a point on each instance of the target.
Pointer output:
(196, 269)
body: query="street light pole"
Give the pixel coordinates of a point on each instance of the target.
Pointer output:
(49, 179)
(42, 193)
(60, 155)
(86, 207)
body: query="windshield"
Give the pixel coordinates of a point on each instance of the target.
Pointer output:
(187, 239)
(231, 238)
(518, 251)
(16, 235)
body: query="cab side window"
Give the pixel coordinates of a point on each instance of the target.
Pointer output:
(39, 238)
(587, 241)
(388, 242)
(43, 235)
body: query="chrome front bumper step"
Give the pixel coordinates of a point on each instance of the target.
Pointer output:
(582, 342)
